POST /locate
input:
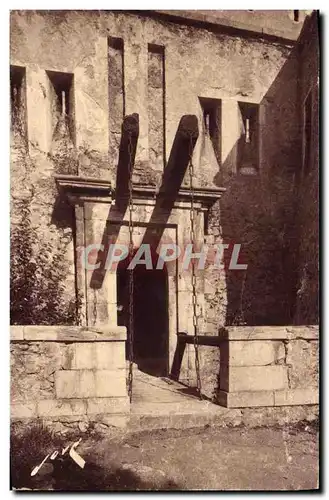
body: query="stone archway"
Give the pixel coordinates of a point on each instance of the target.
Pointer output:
(150, 312)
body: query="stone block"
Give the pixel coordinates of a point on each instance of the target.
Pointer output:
(103, 315)
(24, 410)
(108, 405)
(75, 333)
(249, 333)
(110, 355)
(90, 383)
(307, 396)
(82, 356)
(37, 333)
(253, 378)
(96, 355)
(58, 407)
(119, 421)
(303, 361)
(110, 383)
(270, 332)
(107, 291)
(247, 399)
(306, 332)
(67, 384)
(86, 383)
(260, 417)
(16, 333)
(252, 353)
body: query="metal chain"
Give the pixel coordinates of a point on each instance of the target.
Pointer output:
(131, 275)
(95, 308)
(193, 276)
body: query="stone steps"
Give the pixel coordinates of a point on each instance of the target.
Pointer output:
(160, 403)
(170, 416)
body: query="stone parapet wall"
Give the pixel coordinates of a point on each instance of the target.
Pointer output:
(77, 375)
(60, 371)
(269, 366)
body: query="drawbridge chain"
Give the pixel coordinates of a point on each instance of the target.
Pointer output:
(131, 273)
(193, 275)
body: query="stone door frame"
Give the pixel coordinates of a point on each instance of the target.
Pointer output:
(93, 202)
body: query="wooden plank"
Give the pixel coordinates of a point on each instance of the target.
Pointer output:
(210, 340)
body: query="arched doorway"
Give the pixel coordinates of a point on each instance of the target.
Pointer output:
(150, 312)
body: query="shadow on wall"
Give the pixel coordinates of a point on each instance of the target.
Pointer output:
(259, 212)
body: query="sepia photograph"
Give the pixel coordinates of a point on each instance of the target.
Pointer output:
(164, 250)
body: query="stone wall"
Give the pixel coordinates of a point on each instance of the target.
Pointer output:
(269, 366)
(160, 70)
(307, 307)
(274, 215)
(76, 376)
(70, 374)
(79, 45)
(163, 70)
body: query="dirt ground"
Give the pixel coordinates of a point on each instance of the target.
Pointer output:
(210, 459)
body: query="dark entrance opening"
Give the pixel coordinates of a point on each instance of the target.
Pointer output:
(150, 313)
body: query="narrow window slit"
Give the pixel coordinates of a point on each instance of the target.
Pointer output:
(116, 94)
(207, 122)
(248, 144)
(18, 100)
(156, 105)
(62, 103)
(211, 109)
(247, 130)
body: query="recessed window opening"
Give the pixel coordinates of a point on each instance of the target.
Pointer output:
(249, 138)
(62, 83)
(211, 109)
(206, 117)
(62, 98)
(206, 223)
(296, 16)
(17, 98)
(115, 43)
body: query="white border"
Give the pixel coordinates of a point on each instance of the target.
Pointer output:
(4, 198)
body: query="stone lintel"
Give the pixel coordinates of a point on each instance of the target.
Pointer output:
(246, 333)
(253, 399)
(56, 333)
(205, 196)
(81, 189)
(74, 186)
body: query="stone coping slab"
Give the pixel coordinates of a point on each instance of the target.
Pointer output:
(307, 332)
(59, 333)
